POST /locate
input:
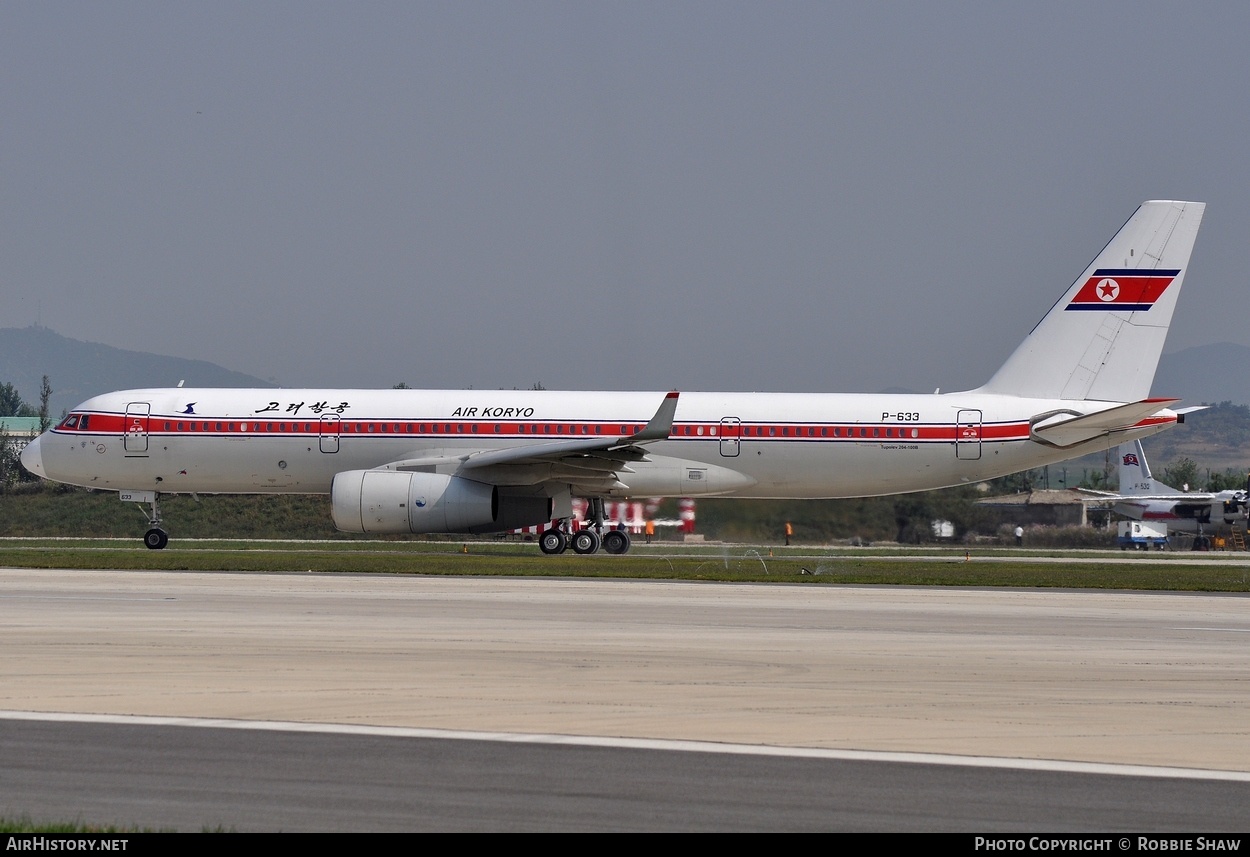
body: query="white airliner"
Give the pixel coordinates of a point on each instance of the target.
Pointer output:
(473, 461)
(1144, 498)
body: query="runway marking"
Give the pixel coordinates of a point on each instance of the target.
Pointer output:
(1225, 630)
(84, 598)
(648, 744)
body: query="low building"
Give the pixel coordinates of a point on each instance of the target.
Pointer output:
(19, 431)
(1054, 507)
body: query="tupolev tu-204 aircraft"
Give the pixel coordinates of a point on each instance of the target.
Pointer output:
(473, 461)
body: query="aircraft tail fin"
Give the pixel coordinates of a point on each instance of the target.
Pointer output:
(1135, 478)
(1102, 339)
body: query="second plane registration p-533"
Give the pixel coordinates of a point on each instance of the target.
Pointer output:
(474, 461)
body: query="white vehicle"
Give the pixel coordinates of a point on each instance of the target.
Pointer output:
(470, 461)
(1140, 536)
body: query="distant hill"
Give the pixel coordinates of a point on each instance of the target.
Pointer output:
(1205, 374)
(79, 370)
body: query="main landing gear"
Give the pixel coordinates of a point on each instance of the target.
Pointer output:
(552, 541)
(616, 541)
(556, 541)
(585, 541)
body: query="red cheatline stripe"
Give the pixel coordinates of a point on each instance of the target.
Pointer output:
(116, 424)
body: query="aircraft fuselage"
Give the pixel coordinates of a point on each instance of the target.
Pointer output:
(758, 445)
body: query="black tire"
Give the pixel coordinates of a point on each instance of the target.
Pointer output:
(585, 542)
(552, 542)
(155, 539)
(616, 541)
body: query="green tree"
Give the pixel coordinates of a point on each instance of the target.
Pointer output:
(45, 393)
(11, 404)
(913, 518)
(1226, 481)
(1182, 472)
(9, 466)
(1094, 480)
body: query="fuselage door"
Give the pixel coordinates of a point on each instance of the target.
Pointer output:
(968, 435)
(331, 425)
(730, 432)
(136, 437)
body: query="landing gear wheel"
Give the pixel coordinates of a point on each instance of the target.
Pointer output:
(586, 541)
(155, 538)
(552, 542)
(616, 541)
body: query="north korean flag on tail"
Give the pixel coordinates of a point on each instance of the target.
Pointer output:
(1130, 459)
(1122, 289)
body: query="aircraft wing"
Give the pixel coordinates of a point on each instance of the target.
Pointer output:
(1182, 498)
(592, 464)
(1067, 429)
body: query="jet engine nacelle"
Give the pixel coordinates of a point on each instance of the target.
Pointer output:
(389, 501)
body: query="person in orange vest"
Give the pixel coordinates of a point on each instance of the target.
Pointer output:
(789, 532)
(650, 530)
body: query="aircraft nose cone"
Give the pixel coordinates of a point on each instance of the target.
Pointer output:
(32, 458)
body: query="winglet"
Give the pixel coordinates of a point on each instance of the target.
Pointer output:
(661, 425)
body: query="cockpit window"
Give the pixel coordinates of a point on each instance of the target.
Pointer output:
(82, 422)
(70, 422)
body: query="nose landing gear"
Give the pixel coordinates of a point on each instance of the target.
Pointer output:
(155, 538)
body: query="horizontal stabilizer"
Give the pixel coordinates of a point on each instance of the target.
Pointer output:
(1067, 429)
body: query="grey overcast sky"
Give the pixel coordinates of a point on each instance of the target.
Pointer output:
(695, 195)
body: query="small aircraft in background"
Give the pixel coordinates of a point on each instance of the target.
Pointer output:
(1142, 497)
(473, 461)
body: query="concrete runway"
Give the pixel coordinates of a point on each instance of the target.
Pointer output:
(994, 676)
(1132, 678)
